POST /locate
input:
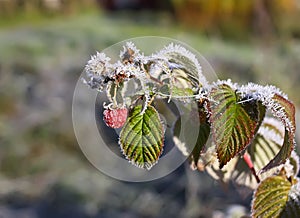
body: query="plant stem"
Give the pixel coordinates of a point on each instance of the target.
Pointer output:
(248, 161)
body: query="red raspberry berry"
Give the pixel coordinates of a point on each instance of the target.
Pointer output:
(115, 118)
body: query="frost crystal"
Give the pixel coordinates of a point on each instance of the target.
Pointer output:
(296, 188)
(289, 168)
(97, 64)
(130, 53)
(259, 92)
(96, 70)
(131, 46)
(228, 82)
(174, 67)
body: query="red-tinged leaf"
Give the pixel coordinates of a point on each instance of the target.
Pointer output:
(285, 111)
(283, 154)
(233, 127)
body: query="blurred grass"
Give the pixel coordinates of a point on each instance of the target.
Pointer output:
(40, 62)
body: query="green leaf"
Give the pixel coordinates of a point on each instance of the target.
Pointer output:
(181, 91)
(142, 136)
(170, 91)
(233, 126)
(271, 197)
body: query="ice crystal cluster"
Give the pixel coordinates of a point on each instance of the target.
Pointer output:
(173, 72)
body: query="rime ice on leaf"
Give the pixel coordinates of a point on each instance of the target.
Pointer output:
(228, 82)
(130, 53)
(173, 72)
(179, 59)
(97, 69)
(281, 108)
(97, 64)
(276, 101)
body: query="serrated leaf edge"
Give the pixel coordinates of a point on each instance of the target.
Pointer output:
(146, 165)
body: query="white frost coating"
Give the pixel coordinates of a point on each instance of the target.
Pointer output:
(128, 70)
(289, 168)
(147, 100)
(259, 90)
(183, 51)
(96, 69)
(228, 82)
(295, 189)
(265, 94)
(131, 46)
(97, 64)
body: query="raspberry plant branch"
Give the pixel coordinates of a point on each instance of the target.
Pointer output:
(233, 115)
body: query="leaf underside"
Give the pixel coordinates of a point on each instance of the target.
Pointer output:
(141, 138)
(288, 110)
(283, 154)
(287, 117)
(233, 126)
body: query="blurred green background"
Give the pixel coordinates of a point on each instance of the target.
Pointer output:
(44, 45)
